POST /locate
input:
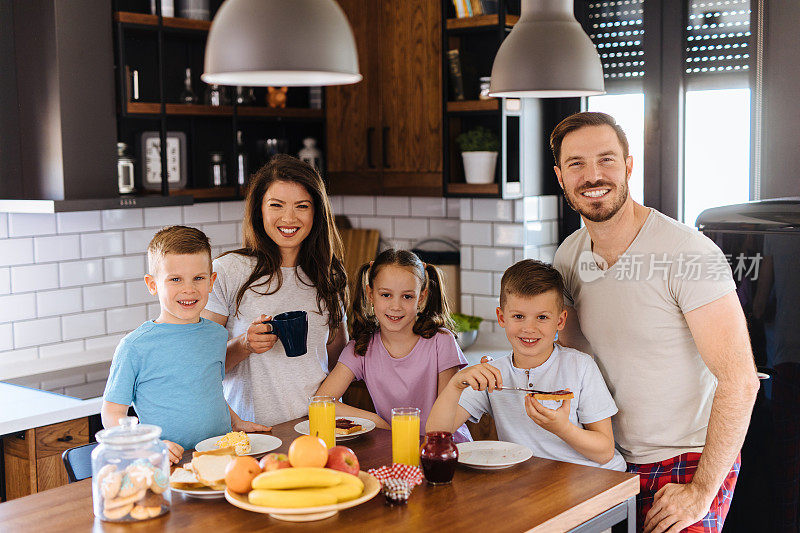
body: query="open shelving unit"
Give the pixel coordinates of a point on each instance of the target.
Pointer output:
(160, 49)
(477, 39)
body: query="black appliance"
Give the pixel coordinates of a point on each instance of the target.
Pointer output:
(762, 243)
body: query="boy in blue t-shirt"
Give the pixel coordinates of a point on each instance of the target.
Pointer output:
(171, 368)
(575, 431)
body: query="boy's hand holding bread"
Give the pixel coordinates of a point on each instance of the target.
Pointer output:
(556, 421)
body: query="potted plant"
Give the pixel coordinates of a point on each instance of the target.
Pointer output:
(466, 328)
(479, 148)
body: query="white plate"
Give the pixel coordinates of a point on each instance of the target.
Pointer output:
(259, 443)
(367, 426)
(307, 514)
(204, 493)
(492, 454)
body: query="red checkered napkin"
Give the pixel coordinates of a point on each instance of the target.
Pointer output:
(397, 481)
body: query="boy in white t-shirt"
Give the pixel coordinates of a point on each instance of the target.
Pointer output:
(576, 431)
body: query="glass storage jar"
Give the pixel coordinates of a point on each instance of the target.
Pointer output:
(130, 473)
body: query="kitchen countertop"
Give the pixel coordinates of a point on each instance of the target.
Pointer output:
(26, 408)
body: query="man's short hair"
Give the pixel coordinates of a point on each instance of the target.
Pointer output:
(531, 278)
(176, 240)
(580, 120)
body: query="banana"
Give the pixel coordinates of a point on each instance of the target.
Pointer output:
(290, 499)
(297, 478)
(343, 491)
(352, 480)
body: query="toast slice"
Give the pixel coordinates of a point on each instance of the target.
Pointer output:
(184, 480)
(555, 395)
(228, 450)
(210, 469)
(345, 426)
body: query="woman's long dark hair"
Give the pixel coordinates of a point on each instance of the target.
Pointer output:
(434, 317)
(321, 252)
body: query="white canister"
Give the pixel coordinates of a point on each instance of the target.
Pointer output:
(167, 7)
(479, 167)
(194, 9)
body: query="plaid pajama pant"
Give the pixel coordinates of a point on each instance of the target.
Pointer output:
(681, 469)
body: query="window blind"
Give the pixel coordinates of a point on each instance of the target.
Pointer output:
(717, 38)
(617, 30)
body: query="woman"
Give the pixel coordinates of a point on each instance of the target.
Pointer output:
(290, 261)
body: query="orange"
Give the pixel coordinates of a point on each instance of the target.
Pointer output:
(308, 451)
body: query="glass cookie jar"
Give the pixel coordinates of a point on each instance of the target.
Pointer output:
(130, 473)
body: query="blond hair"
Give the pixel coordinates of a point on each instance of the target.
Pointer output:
(176, 240)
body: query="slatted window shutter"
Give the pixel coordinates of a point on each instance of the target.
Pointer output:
(617, 30)
(717, 40)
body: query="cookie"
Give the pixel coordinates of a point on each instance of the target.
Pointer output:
(103, 472)
(140, 513)
(151, 500)
(118, 513)
(121, 502)
(154, 511)
(160, 482)
(110, 485)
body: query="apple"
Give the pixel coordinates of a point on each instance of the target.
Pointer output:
(343, 459)
(274, 461)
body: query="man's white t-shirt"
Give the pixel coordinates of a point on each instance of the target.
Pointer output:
(270, 388)
(632, 314)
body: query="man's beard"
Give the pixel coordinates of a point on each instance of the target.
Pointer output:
(600, 214)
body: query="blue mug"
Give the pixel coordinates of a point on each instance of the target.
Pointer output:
(292, 329)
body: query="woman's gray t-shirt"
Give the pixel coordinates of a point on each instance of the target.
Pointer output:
(270, 388)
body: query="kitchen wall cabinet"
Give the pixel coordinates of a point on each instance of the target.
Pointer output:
(384, 134)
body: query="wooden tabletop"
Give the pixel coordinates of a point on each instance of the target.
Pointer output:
(536, 495)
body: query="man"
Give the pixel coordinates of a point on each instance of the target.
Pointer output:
(655, 302)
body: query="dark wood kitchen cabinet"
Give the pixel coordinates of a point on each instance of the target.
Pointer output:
(384, 134)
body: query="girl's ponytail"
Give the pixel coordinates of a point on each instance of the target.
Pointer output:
(436, 313)
(363, 323)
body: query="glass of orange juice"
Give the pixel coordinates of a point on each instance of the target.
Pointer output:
(322, 419)
(405, 435)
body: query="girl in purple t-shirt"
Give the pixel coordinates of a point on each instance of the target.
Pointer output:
(402, 343)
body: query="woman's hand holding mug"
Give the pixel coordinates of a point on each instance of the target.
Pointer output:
(258, 338)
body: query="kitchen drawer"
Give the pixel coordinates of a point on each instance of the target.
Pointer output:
(55, 438)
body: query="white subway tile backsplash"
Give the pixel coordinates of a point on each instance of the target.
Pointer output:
(531, 208)
(30, 224)
(399, 244)
(466, 258)
(6, 337)
(200, 213)
(479, 233)
(86, 391)
(3, 225)
(61, 302)
(519, 211)
(221, 234)
(122, 219)
(136, 240)
(485, 307)
(476, 282)
(466, 304)
(336, 204)
(519, 254)
(497, 278)
(446, 228)
(428, 207)
(358, 205)
(509, 235)
(16, 251)
(64, 378)
(101, 244)
(497, 259)
(17, 307)
(453, 208)
(60, 349)
(136, 293)
(129, 267)
(58, 248)
(35, 332)
(153, 310)
(492, 210)
(489, 326)
(79, 221)
(74, 273)
(18, 356)
(125, 319)
(231, 211)
(387, 206)
(548, 207)
(541, 233)
(466, 209)
(34, 277)
(411, 228)
(382, 224)
(107, 342)
(5, 280)
(158, 217)
(103, 296)
(83, 325)
(530, 251)
(98, 372)
(547, 253)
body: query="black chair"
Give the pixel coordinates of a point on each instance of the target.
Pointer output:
(78, 462)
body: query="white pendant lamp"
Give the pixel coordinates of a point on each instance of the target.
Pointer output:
(547, 55)
(280, 42)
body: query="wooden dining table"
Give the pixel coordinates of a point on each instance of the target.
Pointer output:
(538, 495)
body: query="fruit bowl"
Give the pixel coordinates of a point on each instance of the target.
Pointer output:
(307, 514)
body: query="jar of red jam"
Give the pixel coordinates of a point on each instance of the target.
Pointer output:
(439, 457)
